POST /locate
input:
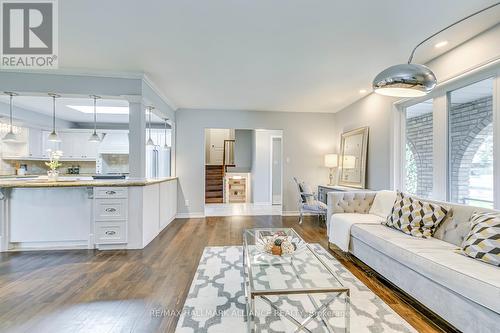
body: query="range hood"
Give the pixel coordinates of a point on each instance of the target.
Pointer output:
(114, 143)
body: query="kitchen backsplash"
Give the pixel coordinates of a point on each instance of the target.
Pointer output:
(39, 167)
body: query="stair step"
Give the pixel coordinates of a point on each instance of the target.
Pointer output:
(213, 200)
(213, 194)
(211, 188)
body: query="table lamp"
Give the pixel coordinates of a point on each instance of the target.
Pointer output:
(332, 162)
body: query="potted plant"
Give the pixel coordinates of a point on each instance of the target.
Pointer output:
(53, 164)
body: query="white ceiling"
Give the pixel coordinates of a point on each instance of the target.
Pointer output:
(283, 55)
(43, 105)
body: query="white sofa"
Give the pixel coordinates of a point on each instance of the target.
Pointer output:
(463, 291)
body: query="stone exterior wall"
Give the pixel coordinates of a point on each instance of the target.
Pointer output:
(419, 140)
(469, 124)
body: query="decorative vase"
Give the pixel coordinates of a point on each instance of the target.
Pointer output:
(53, 175)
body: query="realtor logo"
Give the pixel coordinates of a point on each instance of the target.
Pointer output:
(29, 34)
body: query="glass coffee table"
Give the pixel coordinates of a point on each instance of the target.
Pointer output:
(298, 290)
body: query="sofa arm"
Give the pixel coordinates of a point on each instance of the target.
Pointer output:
(349, 202)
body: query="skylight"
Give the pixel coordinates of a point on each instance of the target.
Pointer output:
(100, 109)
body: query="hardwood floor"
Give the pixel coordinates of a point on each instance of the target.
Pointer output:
(117, 291)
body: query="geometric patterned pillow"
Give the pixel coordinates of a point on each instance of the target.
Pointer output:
(483, 240)
(415, 217)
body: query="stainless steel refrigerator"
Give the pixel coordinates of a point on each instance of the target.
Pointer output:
(157, 161)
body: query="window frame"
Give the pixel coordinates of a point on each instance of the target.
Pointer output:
(441, 105)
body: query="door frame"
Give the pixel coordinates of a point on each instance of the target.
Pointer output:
(271, 138)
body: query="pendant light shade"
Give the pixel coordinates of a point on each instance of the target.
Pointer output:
(95, 137)
(10, 136)
(150, 141)
(412, 80)
(405, 80)
(166, 146)
(53, 135)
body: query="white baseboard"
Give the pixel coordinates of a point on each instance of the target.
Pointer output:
(290, 213)
(190, 215)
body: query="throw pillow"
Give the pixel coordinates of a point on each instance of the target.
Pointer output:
(414, 216)
(483, 239)
(383, 203)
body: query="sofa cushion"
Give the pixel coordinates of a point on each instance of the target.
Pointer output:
(483, 240)
(383, 203)
(438, 261)
(414, 216)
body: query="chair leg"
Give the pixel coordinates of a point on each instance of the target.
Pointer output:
(300, 218)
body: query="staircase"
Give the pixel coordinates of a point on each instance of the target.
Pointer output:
(214, 191)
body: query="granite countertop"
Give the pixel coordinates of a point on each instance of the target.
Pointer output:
(79, 182)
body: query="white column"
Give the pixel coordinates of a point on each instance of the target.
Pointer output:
(137, 138)
(440, 147)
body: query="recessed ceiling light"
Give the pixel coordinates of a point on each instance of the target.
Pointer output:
(441, 44)
(100, 109)
(362, 91)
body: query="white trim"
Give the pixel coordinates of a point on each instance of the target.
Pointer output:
(198, 215)
(496, 141)
(290, 213)
(440, 155)
(80, 72)
(271, 138)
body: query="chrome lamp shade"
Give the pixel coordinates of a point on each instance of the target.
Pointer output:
(405, 80)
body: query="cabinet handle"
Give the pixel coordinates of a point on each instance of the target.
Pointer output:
(110, 210)
(110, 192)
(110, 232)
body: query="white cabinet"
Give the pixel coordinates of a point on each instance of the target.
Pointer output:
(110, 215)
(168, 202)
(34, 142)
(77, 145)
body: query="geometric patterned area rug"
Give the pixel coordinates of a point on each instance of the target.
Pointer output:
(216, 301)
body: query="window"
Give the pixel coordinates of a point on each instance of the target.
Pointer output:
(470, 123)
(448, 146)
(419, 149)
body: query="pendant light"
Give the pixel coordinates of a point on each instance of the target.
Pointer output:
(95, 137)
(165, 146)
(411, 80)
(53, 135)
(150, 141)
(10, 136)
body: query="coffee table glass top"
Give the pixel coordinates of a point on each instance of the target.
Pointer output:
(303, 270)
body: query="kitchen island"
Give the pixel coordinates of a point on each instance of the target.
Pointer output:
(80, 212)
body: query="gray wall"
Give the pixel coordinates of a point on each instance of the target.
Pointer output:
(306, 138)
(373, 111)
(242, 150)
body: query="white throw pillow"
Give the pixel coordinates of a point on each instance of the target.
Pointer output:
(383, 203)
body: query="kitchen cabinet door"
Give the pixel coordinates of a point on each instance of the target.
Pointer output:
(34, 142)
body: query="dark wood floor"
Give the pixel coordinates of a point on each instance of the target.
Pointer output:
(117, 291)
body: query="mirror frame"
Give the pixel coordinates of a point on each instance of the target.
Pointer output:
(364, 150)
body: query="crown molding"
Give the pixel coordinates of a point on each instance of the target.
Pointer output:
(155, 88)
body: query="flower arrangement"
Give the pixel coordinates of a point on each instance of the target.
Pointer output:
(54, 163)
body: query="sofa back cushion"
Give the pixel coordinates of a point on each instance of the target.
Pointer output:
(383, 203)
(456, 225)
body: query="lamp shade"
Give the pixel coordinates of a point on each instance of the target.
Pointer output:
(331, 161)
(405, 80)
(349, 162)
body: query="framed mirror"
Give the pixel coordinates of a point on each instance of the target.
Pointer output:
(353, 154)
